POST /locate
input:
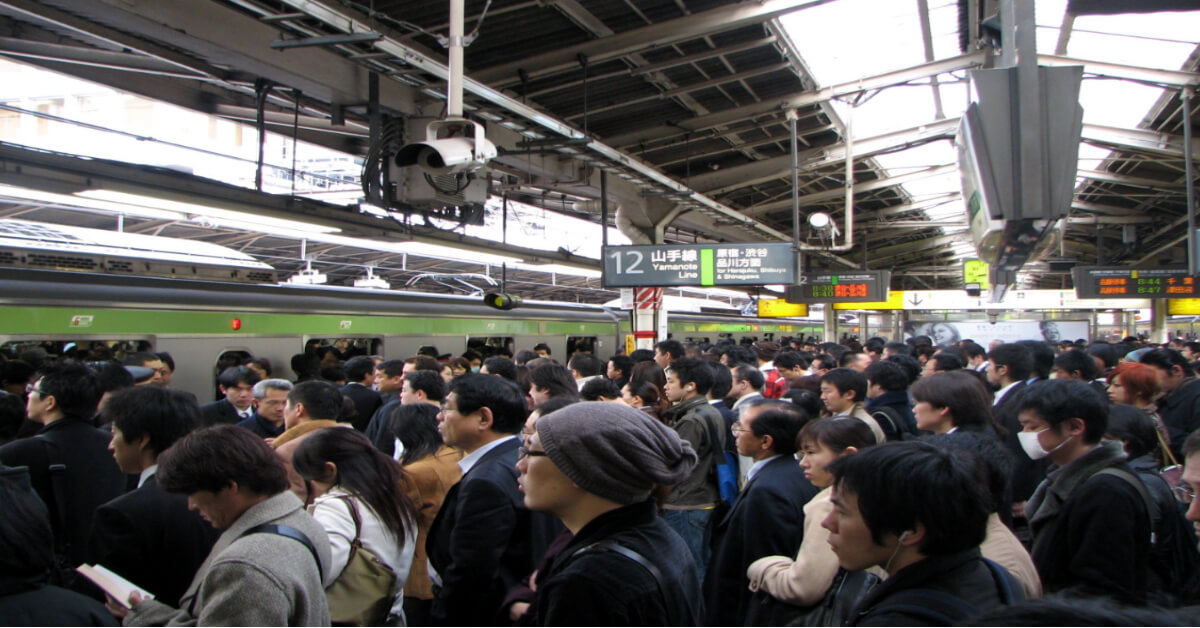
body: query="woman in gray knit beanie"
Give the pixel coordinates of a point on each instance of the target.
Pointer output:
(593, 465)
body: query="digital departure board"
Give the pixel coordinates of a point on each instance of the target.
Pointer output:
(699, 265)
(1130, 282)
(837, 287)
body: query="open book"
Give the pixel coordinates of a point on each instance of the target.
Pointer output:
(115, 586)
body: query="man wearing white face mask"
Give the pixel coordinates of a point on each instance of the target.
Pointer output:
(1090, 519)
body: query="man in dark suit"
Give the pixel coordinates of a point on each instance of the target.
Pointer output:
(1009, 366)
(270, 397)
(63, 399)
(237, 384)
(149, 536)
(768, 517)
(360, 375)
(484, 539)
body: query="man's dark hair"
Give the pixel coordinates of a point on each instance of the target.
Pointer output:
(946, 361)
(898, 348)
(1077, 360)
(1133, 426)
(722, 382)
(1043, 357)
(995, 460)
(674, 348)
(357, 369)
(971, 350)
(428, 382)
(1016, 357)
(783, 425)
(887, 375)
(74, 387)
(750, 374)
(502, 367)
(321, 399)
(641, 355)
(1191, 446)
(912, 368)
(505, 400)
(967, 397)
(333, 373)
(415, 426)
(807, 400)
(555, 378)
(848, 358)
(140, 358)
(234, 376)
(426, 363)
(1106, 352)
(899, 485)
(586, 364)
(162, 414)
(553, 404)
(523, 356)
(391, 368)
(111, 375)
(541, 346)
(624, 364)
(26, 539)
(875, 344)
(212, 458)
(693, 371)
(167, 360)
(790, 360)
(1057, 401)
(1165, 359)
(825, 361)
(599, 387)
(847, 380)
(305, 365)
(740, 354)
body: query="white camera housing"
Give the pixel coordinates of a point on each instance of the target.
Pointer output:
(450, 154)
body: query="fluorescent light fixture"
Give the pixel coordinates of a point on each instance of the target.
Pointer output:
(223, 217)
(24, 195)
(562, 269)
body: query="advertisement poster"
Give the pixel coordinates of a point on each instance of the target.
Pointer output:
(946, 333)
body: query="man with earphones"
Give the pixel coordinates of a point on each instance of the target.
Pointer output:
(1090, 517)
(920, 513)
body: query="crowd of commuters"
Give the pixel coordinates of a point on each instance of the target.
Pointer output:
(924, 482)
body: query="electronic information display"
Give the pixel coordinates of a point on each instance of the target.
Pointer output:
(699, 265)
(838, 287)
(1130, 282)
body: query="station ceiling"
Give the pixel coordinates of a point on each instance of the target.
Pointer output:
(682, 103)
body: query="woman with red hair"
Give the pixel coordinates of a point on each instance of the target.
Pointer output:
(1137, 384)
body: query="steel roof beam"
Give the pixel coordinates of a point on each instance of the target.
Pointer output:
(338, 18)
(1140, 140)
(641, 39)
(1155, 76)
(803, 99)
(756, 172)
(839, 192)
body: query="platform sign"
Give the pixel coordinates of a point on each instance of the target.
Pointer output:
(855, 286)
(895, 301)
(779, 308)
(1129, 282)
(1183, 307)
(699, 265)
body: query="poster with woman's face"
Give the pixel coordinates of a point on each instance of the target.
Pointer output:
(946, 333)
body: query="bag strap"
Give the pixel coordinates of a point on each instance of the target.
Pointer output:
(1004, 583)
(291, 533)
(1166, 449)
(1136, 483)
(57, 471)
(884, 411)
(609, 545)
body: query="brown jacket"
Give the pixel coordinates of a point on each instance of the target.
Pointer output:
(429, 479)
(287, 443)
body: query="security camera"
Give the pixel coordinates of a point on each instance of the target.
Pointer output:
(448, 155)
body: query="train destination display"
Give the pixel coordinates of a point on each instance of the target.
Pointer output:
(699, 265)
(1130, 282)
(839, 287)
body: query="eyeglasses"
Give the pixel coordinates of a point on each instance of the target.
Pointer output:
(1185, 493)
(31, 388)
(737, 428)
(526, 452)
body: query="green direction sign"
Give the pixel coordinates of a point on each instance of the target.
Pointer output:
(672, 265)
(975, 272)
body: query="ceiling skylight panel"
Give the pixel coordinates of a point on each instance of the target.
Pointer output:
(840, 44)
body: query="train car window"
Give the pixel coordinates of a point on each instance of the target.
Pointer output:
(85, 350)
(488, 346)
(333, 351)
(581, 344)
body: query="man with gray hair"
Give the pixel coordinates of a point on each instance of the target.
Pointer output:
(270, 395)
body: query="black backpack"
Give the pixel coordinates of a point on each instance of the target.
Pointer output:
(887, 417)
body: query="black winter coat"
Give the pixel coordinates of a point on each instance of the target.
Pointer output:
(963, 575)
(587, 586)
